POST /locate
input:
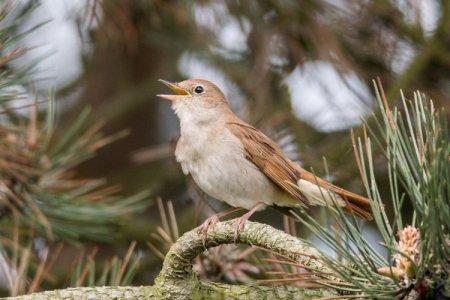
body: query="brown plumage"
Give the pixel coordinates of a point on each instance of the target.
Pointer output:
(236, 163)
(271, 160)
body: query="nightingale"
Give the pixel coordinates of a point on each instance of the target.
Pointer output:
(234, 162)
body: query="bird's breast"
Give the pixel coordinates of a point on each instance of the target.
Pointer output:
(194, 146)
(219, 167)
(201, 149)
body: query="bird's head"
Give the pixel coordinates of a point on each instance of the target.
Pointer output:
(195, 96)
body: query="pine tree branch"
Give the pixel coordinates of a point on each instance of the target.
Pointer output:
(178, 281)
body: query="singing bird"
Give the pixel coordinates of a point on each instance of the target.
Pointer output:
(234, 162)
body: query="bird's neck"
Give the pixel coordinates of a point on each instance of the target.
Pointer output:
(194, 119)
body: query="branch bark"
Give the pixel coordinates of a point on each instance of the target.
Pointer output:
(178, 281)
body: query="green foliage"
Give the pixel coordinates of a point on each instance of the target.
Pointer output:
(39, 184)
(11, 17)
(38, 162)
(415, 143)
(42, 199)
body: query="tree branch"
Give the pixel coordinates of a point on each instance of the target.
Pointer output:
(178, 281)
(105, 292)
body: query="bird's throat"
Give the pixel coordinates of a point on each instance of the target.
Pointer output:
(196, 117)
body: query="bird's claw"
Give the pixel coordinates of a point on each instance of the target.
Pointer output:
(210, 221)
(239, 224)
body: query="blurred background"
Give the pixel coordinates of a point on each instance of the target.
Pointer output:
(301, 71)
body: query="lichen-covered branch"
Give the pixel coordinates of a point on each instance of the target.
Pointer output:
(178, 262)
(104, 292)
(178, 281)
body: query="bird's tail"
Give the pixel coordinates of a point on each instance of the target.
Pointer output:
(320, 190)
(354, 204)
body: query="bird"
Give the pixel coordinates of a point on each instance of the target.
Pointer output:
(236, 163)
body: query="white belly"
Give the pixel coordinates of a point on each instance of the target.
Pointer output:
(220, 169)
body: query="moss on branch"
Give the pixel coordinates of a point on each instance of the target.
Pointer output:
(104, 292)
(178, 281)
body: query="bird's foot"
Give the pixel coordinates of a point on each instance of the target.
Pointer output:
(210, 221)
(239, 224)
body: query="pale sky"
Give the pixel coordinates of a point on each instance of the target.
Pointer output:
(58, 41)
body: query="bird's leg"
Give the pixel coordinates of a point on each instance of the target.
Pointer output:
(212, 220)
(239, 223)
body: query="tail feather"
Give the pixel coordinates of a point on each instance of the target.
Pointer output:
(351, 202)
(362, 211)
(354, 204)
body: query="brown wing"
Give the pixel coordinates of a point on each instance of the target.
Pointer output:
(269, 158)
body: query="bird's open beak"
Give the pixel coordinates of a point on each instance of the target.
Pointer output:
(180, 92)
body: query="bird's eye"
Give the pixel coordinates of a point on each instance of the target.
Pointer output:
(199, 89)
